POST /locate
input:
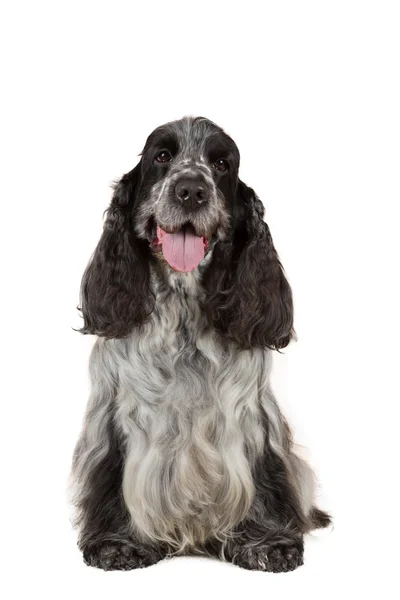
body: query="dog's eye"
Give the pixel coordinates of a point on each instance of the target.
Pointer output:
(220, 165)
(163, 156)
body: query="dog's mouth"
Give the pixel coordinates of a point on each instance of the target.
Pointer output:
(182, 249)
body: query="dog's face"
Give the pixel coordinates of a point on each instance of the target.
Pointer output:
(188, 181)
(183, 200)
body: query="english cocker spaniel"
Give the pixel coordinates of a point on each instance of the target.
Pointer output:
(184, 448)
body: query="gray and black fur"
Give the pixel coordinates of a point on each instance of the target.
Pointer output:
(184, 448)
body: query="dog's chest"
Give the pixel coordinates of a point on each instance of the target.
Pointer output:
(189, 408)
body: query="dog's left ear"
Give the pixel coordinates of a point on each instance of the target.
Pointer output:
(249, 299)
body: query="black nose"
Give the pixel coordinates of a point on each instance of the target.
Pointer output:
(192, 193)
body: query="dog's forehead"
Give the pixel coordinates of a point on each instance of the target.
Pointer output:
(191, 134)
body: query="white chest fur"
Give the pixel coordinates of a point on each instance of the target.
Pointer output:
(189, 410)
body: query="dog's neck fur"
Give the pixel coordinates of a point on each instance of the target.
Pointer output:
(198, 402)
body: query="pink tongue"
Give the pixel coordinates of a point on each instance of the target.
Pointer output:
(182, 250)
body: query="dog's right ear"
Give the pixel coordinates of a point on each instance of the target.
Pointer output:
(115, 290)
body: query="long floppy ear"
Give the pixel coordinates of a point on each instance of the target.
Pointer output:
(248, 297)
(115, 290)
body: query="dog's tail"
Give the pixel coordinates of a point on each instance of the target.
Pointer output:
(319, 518)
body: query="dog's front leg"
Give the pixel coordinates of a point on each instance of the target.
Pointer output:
(106, 537)
(270, 538)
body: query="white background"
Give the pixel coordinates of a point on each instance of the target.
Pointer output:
(310, 92)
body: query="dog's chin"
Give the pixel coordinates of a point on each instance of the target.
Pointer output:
(181, 248)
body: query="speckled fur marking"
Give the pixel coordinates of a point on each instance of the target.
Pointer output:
(183, 447)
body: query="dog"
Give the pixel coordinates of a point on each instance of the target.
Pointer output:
(184, 449)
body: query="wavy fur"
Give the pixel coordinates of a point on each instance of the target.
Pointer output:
(249, 299)
(115, 291)
(183, 447)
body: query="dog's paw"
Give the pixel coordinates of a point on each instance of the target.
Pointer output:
(118, 556)
(278, 558)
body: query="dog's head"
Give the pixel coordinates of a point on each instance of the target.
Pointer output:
(188, 181)
(183, 201)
